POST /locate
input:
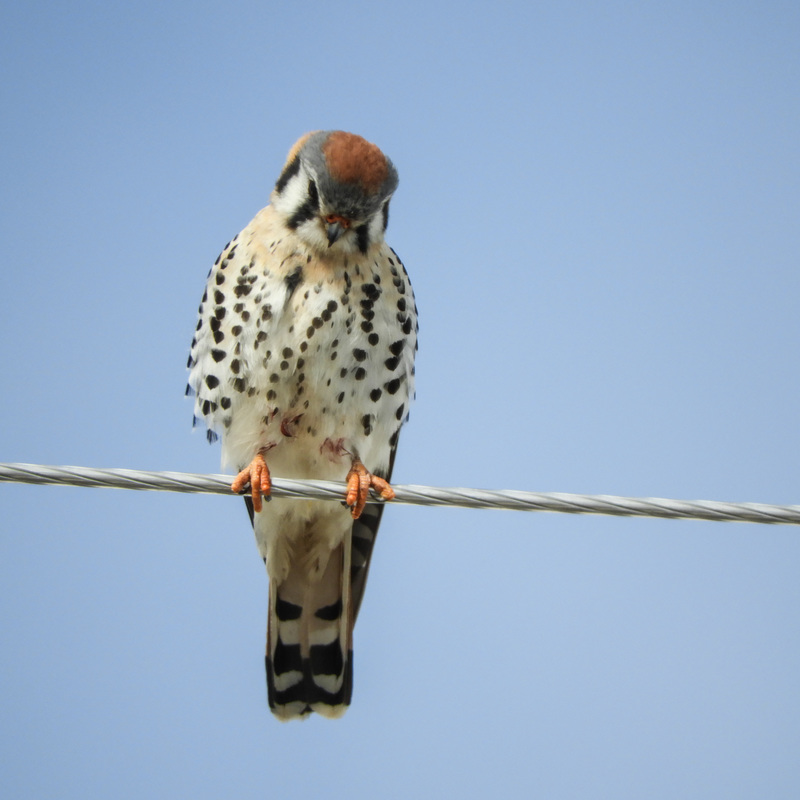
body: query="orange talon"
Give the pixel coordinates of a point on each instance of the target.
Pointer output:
(359, 482)
(257, 475)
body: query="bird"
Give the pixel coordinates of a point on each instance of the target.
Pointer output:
(302, 363)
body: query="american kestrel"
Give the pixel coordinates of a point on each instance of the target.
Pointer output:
(303, 362)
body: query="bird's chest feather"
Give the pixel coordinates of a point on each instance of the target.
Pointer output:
(322, 363)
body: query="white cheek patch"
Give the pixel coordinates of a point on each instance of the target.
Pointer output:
(294, 194)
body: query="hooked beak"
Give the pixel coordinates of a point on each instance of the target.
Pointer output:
(335, 227)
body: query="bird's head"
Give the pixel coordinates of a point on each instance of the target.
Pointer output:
(334, 192)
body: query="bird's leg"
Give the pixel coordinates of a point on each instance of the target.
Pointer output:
(257, 475)
(359, 482)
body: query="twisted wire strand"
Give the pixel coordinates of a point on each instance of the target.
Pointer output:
(412, 495)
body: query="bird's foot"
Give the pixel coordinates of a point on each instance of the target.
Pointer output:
(359, 482)
(257, 475)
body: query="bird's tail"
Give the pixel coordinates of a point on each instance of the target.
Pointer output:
(310, 639)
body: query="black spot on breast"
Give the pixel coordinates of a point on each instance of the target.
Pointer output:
(366, 421)
(212, 381)
(317, 322)
(266, 312)
(332, 306)
(395, 348)
(340, 398)
(189, 364)
(360, 374)
(287, 352)
(271, 395)
(274, 378)
(407, 327)
(310, 331)
(242, 290)
(236, 330)
(400, 409)
(225, 402)
(240, 384)
(218, 336)
(373, 339)
(391, 363)
(359, 355)
(219, 297)
(366, 326)
(219, 312)
(235, 365)
(220, 278)
(393, 386)
(375, 395)
(218, 355)
(261, 336)
(401, 304)
(293, 280)
(371, 291)
(284, 365)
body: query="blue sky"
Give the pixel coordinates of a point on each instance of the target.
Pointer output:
(598, 208)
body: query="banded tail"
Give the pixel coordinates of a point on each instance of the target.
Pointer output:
(309, 658)
(310, 640)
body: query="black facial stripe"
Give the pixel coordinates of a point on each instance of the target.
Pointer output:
(386, 215)
(313, 195)
(306, 212)
(291, 169)
(362, 237)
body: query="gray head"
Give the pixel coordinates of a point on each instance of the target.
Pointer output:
(334, 191)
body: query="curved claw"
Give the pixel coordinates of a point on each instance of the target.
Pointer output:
(257, 475)
(359, 482)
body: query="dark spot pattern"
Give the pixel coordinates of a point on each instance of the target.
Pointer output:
(292, 281)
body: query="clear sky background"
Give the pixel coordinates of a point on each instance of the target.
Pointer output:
(599, 207)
